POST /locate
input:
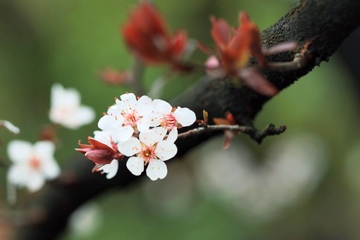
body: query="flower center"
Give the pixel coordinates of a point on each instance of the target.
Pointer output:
(131, 117)
(169, 121)
(148, 153)
(34, 163)
(63, 113)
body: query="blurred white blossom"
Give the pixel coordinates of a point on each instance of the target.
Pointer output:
(66, 108)
(9, 126)
(32, 164)
(86, 220)
(170, 118)
(290, 170)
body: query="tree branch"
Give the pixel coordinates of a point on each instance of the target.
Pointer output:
(318, 26)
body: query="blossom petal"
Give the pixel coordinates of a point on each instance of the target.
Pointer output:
(173, 135)
(124, 133)
(135, 165)
(108, 122)
(185, 116)
(35, 182)
(104, 136)
(161, 132)
(113, 110)
(85, 115)
(144, 106)
(57, 92)
(156, 169)
(149, 137)
(63, 97)
(44, 149)
(18, 174)
(160, 108)
(50, 169)
(19, 151)
(111, 169)
(128, 100)
(130, 147)
(22, 176)
(165, 150)
(143, 124)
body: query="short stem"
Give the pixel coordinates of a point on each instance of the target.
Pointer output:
(137, 77)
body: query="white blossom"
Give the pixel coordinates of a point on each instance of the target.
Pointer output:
(150, 149)
(66, 108)
(170, 118)
(32, 164)
(128, 115)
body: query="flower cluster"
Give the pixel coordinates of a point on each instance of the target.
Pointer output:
(33, 164)
(140, 128)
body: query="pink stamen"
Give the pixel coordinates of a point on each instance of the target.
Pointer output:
(148, 153)
(169, 121)
(34, 163)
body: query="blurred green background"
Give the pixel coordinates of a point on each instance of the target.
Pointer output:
(310, 192)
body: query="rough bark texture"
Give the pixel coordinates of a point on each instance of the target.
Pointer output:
(319, 26)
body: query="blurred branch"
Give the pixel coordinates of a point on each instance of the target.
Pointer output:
(318, 26)
(137, 81)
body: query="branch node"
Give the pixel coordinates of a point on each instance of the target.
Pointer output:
(270, 130)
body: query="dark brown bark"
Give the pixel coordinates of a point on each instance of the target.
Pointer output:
(319, 26)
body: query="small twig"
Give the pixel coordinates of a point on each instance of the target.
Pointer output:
(270, 130)
(254, 133)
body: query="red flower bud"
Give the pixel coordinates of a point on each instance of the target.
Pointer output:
(234, 48)
(99, 152)
(145, 34)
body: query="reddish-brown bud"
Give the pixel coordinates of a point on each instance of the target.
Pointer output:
(145, 34)
(234, 48)
(99, 152)
(114, 77)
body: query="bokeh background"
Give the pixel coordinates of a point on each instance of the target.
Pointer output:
(304, 184)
